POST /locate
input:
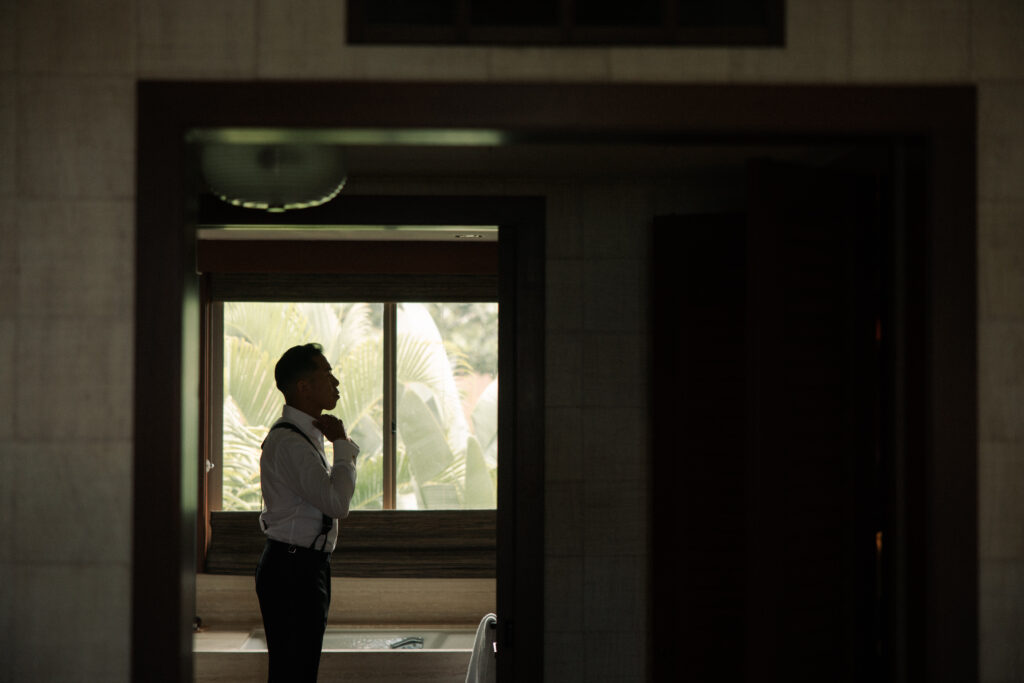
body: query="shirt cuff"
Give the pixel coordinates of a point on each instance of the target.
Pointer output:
(345, 451)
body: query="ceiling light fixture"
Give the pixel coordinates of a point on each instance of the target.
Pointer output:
(273, 177)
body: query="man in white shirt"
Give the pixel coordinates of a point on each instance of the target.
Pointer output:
(303, 498)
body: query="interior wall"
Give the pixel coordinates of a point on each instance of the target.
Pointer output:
(596, 556)
(67, 119)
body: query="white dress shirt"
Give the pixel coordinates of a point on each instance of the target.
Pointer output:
(298, 486)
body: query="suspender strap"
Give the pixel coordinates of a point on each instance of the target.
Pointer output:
(326, 523)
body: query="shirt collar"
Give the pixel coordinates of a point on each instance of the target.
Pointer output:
(303, 422)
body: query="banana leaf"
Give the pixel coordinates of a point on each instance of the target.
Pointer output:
(485, 422)
(440, 497)
(427, 448)
(479, 486)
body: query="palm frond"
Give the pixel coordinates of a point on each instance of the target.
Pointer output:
(272, 326)
(356, 325)
(419, 361)
(241, 460)
(360, 373)
(251, 384)
(369, 493)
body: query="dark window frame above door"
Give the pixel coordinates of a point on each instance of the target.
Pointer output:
(568, 23)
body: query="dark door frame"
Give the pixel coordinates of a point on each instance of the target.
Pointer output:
(941, 118)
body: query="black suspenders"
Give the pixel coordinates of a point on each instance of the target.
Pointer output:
(326, 523)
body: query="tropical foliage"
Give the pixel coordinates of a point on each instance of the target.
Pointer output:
(446, 426)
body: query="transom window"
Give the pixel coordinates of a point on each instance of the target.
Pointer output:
(567, 22)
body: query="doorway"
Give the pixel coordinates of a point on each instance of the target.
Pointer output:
(939, 118)
(776, 351)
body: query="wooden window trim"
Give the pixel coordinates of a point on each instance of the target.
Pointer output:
(383, 544)
(326, 287)
(423, 544)
(348, 257)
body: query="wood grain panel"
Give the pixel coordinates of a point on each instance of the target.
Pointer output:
(381, 544)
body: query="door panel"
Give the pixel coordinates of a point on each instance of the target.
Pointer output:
(699, 483)
(813, 306)
(765, 437)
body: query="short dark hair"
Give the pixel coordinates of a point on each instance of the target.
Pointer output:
(297, 363)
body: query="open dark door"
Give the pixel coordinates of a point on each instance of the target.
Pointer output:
(766, 434)
(698, 465)
(813, 435)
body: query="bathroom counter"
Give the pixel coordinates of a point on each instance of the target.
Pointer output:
(219, 657)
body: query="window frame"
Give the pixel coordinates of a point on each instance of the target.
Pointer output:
(568, 29)
(389, 543)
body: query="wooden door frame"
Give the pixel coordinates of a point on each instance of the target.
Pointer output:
(942, 118)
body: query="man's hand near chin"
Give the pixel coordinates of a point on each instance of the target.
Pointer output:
(332, 427)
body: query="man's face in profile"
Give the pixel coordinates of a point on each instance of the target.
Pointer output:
(322, 386)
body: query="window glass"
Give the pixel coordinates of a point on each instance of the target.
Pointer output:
(717, 13)
(634, 13)
(568, 22)
(255, 336)
(520, 13)
(415, 12)
(447, 406)
(446, 396)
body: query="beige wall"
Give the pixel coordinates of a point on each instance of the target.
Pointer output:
(67, 71)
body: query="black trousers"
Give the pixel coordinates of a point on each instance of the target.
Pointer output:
(294, 589)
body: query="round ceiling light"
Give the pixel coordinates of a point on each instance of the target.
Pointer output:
(273, 177)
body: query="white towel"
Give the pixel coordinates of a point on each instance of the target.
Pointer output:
(482, 667)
